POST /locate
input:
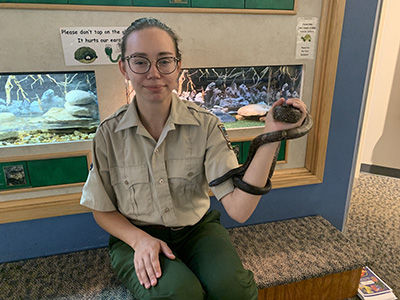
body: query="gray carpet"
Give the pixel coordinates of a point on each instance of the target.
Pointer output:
(69, 276)
(311, 245)
(373, 224)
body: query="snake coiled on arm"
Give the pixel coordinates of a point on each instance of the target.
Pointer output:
(284, 113)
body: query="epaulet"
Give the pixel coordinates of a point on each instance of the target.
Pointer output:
(115, 114)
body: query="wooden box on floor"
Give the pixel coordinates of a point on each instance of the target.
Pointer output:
(330, 287)
(300, 259)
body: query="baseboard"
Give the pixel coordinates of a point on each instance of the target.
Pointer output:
(379, 170)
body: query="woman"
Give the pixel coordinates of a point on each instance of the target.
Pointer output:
(148, 188)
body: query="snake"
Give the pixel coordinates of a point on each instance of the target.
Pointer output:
(283, 113)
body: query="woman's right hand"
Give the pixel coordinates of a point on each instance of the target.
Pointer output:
(147, 248)
(146, 259)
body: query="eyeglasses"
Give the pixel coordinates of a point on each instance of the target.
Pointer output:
(141, 65)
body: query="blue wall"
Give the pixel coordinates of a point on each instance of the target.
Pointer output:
(49, 236)
(329, 198)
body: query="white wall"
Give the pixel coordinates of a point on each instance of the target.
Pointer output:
(380, 139)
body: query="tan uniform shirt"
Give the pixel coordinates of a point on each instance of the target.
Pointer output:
(164, 182)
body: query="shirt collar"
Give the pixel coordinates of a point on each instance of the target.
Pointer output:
(179, 114)
(130, 118)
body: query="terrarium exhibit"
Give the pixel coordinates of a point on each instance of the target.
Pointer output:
(37, 108)
(240, 96)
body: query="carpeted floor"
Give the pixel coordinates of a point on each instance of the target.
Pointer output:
(373, 224)
(63, 277)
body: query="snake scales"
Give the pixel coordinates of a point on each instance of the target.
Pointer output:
(284, 113)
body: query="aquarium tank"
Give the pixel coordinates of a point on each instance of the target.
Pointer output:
(39, 108)
(240, 96)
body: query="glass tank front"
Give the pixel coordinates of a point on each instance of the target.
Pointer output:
(39, 108)
(240, 96)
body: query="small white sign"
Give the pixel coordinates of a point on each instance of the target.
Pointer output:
(306, 38)
(91, 45)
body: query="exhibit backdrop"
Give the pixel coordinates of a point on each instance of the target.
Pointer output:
(47, 40)
(330, 198)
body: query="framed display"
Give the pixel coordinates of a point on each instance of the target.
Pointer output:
(211, 40)
(13, 175)
(240, 96)
(48, 107)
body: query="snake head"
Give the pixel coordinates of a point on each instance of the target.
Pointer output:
(286, 113)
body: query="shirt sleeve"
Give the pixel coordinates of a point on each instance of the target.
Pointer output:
(220, 158)
(98, 193)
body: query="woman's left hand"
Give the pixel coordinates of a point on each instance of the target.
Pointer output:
(272, 125)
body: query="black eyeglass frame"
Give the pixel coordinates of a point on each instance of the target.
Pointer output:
(127, 58)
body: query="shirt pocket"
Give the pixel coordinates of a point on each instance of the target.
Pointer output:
(132, 188)
(186, 180)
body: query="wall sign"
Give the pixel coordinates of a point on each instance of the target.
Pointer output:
(306, 38)
(91, 45)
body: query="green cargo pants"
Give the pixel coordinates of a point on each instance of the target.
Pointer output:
(206, 265)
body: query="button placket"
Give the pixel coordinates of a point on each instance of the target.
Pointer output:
(162, 188)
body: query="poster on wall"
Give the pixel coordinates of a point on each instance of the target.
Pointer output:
(306, 38)
(91, 45)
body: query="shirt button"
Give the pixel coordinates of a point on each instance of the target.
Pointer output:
(166, 210)
(190, 174)
(157, 150)
(126, 182)
(161, 181)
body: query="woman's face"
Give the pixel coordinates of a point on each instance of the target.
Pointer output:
(151, 43)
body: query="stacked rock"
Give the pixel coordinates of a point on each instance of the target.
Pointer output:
(81, 104)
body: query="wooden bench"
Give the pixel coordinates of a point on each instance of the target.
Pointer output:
(297, 259)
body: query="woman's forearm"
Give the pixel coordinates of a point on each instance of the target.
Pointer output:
(119, 226)
(239, 204)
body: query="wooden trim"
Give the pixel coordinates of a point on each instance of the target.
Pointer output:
(331, 24)
(330, 287)
(37, 208)
(293, 177)
(149, 9)
(86, 153)
(42, 188)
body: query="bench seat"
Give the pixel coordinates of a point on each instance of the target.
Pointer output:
(298, 259)
(303, 258)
